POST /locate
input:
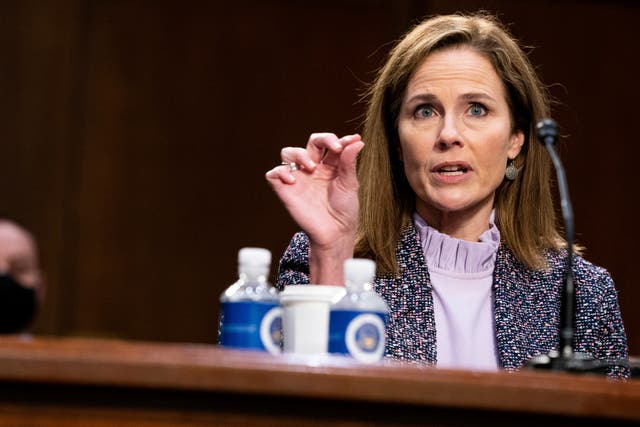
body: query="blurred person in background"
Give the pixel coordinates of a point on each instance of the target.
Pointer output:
(22, 285)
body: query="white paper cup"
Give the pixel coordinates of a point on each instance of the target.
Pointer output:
(305, 317)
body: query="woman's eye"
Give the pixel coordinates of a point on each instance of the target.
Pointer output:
(477, 110)
(424, 111)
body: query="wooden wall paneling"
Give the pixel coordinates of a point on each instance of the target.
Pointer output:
(186, 108)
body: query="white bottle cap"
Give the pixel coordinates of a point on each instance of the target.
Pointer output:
(254, 256)
(359, 271)
(254, 261)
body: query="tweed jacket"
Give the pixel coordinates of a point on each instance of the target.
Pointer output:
(526, 304)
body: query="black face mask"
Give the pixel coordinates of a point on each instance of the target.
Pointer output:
(17, 305)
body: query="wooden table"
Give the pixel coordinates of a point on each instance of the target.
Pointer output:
(88, 382)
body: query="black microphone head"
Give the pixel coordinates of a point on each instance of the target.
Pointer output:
(547, 130)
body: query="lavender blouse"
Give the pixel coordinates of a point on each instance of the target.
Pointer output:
(462, 278)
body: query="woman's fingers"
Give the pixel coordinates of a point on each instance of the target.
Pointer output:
(321, 147)
(324, 148)
(332, 157)
(280, 173)
(293, 158)
(299, 156)
(320, 144)
(348, 159)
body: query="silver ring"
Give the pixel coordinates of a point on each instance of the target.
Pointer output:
(293, 166)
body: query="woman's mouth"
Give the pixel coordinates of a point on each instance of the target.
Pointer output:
(452, 170)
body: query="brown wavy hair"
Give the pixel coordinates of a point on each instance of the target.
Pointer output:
(525, 214)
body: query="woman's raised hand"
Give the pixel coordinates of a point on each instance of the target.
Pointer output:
(319, 187)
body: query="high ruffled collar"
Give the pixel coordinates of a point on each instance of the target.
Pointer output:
(455, 255)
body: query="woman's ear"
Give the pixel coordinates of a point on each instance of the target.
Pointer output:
(515, 144)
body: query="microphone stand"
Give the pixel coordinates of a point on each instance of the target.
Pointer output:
(566, 359)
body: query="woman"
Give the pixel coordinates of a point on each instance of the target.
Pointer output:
(452, 200)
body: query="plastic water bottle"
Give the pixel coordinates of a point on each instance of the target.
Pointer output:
(250, 314)
(357, 321)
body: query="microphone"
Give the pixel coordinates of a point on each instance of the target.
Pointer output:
(566, 359)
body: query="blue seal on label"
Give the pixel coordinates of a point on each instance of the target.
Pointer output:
(251, 325)
(360, 335)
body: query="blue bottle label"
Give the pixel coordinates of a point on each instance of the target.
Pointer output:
(251, 325)
(358, 334)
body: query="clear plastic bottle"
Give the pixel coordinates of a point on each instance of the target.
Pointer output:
(250, 313)
(357, 321)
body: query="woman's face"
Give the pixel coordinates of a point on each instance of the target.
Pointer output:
(455, 132)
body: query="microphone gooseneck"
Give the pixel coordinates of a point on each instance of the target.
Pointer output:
(547, 130)
(566, 359)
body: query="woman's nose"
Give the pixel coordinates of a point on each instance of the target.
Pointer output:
(449, 135)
